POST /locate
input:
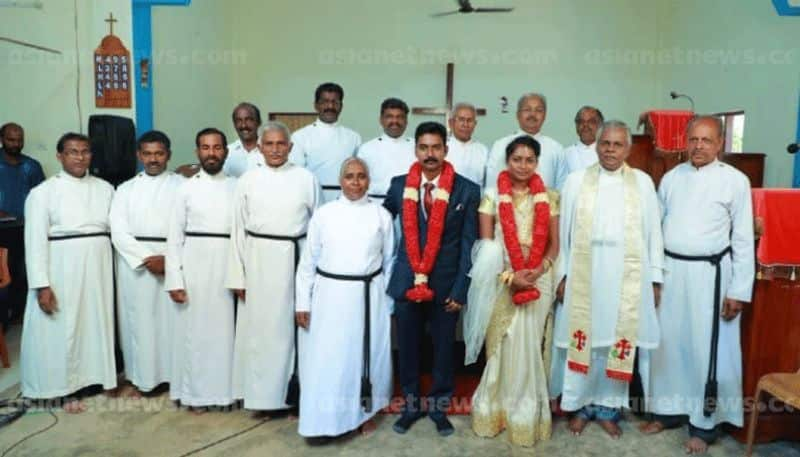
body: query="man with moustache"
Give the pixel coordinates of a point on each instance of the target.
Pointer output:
(68, 331)
(322, 145)
(467, 155)
(708, 242)
(19, 174)
(531, 114)
(197, 245)
(243, 154)
(271, 208)
(583, 154)
(390, 154)
(139, 233)
(438, 210)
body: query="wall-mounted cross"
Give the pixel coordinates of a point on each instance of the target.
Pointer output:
(445, 111)
(111, 22)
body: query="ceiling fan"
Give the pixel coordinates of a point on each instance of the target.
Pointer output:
(466, 7)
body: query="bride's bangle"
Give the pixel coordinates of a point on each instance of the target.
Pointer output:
(507, 277)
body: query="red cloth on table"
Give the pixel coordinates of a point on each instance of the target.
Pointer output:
(780, 240)
(669, 129)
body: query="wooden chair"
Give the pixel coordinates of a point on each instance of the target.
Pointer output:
(5, 280)
(783, 386)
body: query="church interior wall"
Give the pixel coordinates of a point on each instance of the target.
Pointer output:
(38, 89)
(621, 55)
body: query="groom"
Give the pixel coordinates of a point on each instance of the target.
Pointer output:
(438, 211)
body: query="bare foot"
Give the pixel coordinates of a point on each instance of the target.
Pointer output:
(197, 411)
(577, 424)
(651, 428)
(74, 407)
(611, 428)
(696, 446)
(367, 427)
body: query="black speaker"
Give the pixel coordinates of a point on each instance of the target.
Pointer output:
(113, 148)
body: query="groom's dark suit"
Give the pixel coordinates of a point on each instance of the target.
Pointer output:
(448, 280)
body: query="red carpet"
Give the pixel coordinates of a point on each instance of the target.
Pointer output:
(465, 385)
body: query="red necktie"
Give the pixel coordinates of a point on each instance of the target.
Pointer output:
(428, 199)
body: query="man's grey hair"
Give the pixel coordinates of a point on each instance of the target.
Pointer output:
(350, 160)
(615, 124)
(463, 105)
(525, 98)
(592, 108)
(716, 120)
(274, 126)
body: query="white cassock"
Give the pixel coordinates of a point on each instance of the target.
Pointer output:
(321, 148)
(386, 158)
(469, 159)
(345, 238)
(145, 312)
(579, 156)
(705, 211)
(74, 347)
(608, 246)
(240, 160)
(197, 255)
(551, 165)
(276, 202)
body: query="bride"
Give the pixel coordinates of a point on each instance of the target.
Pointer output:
(510, 298)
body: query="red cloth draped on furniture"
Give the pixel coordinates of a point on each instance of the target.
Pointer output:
(668, 128)
(770, 340)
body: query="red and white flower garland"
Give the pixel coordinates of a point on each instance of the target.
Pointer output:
(541, 229)
(422, 263)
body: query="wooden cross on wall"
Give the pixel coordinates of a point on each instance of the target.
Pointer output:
(445, 111)
(111, 22)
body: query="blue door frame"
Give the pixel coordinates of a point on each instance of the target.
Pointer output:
(143, 49)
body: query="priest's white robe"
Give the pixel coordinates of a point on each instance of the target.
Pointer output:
(579, 156)
(145, 313)
(268, 201)
(72, 348)
(551, 167)
(240, 160)
(202, 356)
(321, 148)
(608, 246)
(350, 238)
(469, 159)
(705, 211)
(386, 158)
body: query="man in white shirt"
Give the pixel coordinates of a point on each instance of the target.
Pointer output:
(468, 156)
(243, 154)
(583, 154)
(390, 154)
(323, 145)
(531, 114)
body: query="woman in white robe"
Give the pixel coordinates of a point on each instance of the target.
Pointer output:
(350, 236)
(512, 394)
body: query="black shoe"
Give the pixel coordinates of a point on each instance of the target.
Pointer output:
(443, 425)
(405, 422)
